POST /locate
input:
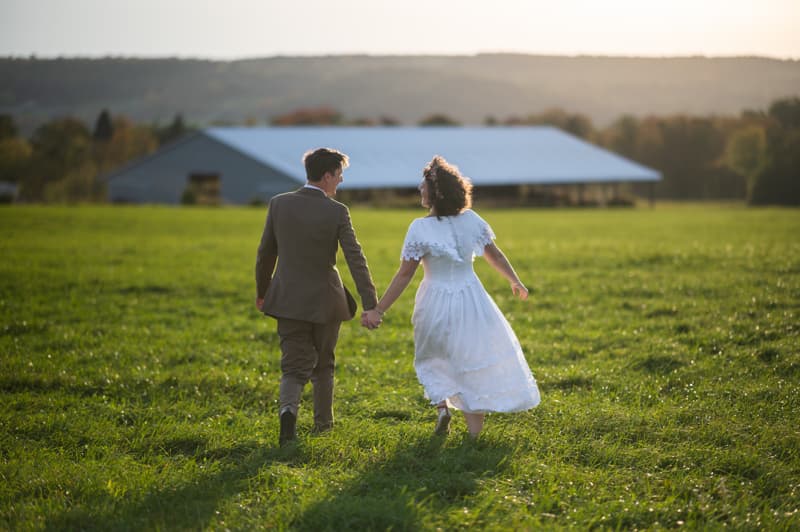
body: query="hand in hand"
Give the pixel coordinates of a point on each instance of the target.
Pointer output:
(371, 319)
(259, 302)
(519, 290)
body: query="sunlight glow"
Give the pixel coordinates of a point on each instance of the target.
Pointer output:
(250, 28)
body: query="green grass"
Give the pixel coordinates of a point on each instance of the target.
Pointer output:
(139, 384)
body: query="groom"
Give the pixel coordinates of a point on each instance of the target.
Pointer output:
(304, 293)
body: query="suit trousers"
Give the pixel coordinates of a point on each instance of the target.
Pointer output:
(307, 353)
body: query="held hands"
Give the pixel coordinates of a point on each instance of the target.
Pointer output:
(519, 290)
(259, 302)
(371, 319)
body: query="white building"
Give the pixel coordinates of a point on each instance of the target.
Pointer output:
(248, 164)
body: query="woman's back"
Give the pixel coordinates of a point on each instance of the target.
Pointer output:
(447, 245)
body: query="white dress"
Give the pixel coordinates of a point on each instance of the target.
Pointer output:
(465, 351)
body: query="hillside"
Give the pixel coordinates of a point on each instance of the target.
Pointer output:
(468, 88)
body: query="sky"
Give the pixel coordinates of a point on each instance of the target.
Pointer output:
(235, 29)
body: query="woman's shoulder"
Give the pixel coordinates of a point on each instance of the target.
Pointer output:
(416, 227)
(426, 229)
(425, 221)
(416, 222)
(469, 214)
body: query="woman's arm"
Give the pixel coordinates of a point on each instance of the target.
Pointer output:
(499, 262)
(399, 283)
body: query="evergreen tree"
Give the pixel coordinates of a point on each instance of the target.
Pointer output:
(103, 128)
(172, 132)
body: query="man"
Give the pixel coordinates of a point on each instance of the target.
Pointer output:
(303, 231)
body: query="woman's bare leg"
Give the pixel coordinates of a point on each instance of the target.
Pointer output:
(474, 423)
(442, 419)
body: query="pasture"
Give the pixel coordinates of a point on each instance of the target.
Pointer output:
(139, 383)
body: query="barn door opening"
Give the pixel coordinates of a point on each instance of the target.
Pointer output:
(202, 189)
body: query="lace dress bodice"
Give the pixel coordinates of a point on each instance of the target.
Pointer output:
(448, 245)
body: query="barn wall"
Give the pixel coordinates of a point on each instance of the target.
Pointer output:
(162, 178)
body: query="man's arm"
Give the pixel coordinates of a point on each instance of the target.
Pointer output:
(266, 257)
(356, 262)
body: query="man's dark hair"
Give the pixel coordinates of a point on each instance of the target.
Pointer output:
(322, 160)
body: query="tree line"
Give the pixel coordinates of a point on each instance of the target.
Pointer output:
(753, 157)
(64, 161)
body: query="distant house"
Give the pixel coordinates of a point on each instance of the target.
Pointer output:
(242, 165)
(8, 192)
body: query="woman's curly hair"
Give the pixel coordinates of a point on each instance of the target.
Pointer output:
(449, 192)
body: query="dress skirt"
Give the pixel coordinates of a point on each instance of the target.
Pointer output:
(465, 350)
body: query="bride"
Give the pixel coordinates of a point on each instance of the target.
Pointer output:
(467, 357)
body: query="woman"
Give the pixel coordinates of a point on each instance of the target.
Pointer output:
(466, 354)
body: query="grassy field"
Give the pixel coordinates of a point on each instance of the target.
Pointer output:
(139, 384)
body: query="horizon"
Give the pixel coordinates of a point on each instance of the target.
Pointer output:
(212, 59)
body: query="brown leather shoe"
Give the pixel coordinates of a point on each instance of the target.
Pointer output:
(319, 429)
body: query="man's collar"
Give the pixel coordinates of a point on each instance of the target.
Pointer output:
(309, 185)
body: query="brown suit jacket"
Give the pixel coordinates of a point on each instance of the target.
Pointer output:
(303, 231)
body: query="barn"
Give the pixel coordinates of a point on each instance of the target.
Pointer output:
(238, 165)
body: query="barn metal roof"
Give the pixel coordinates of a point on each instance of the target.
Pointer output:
(395, 156)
